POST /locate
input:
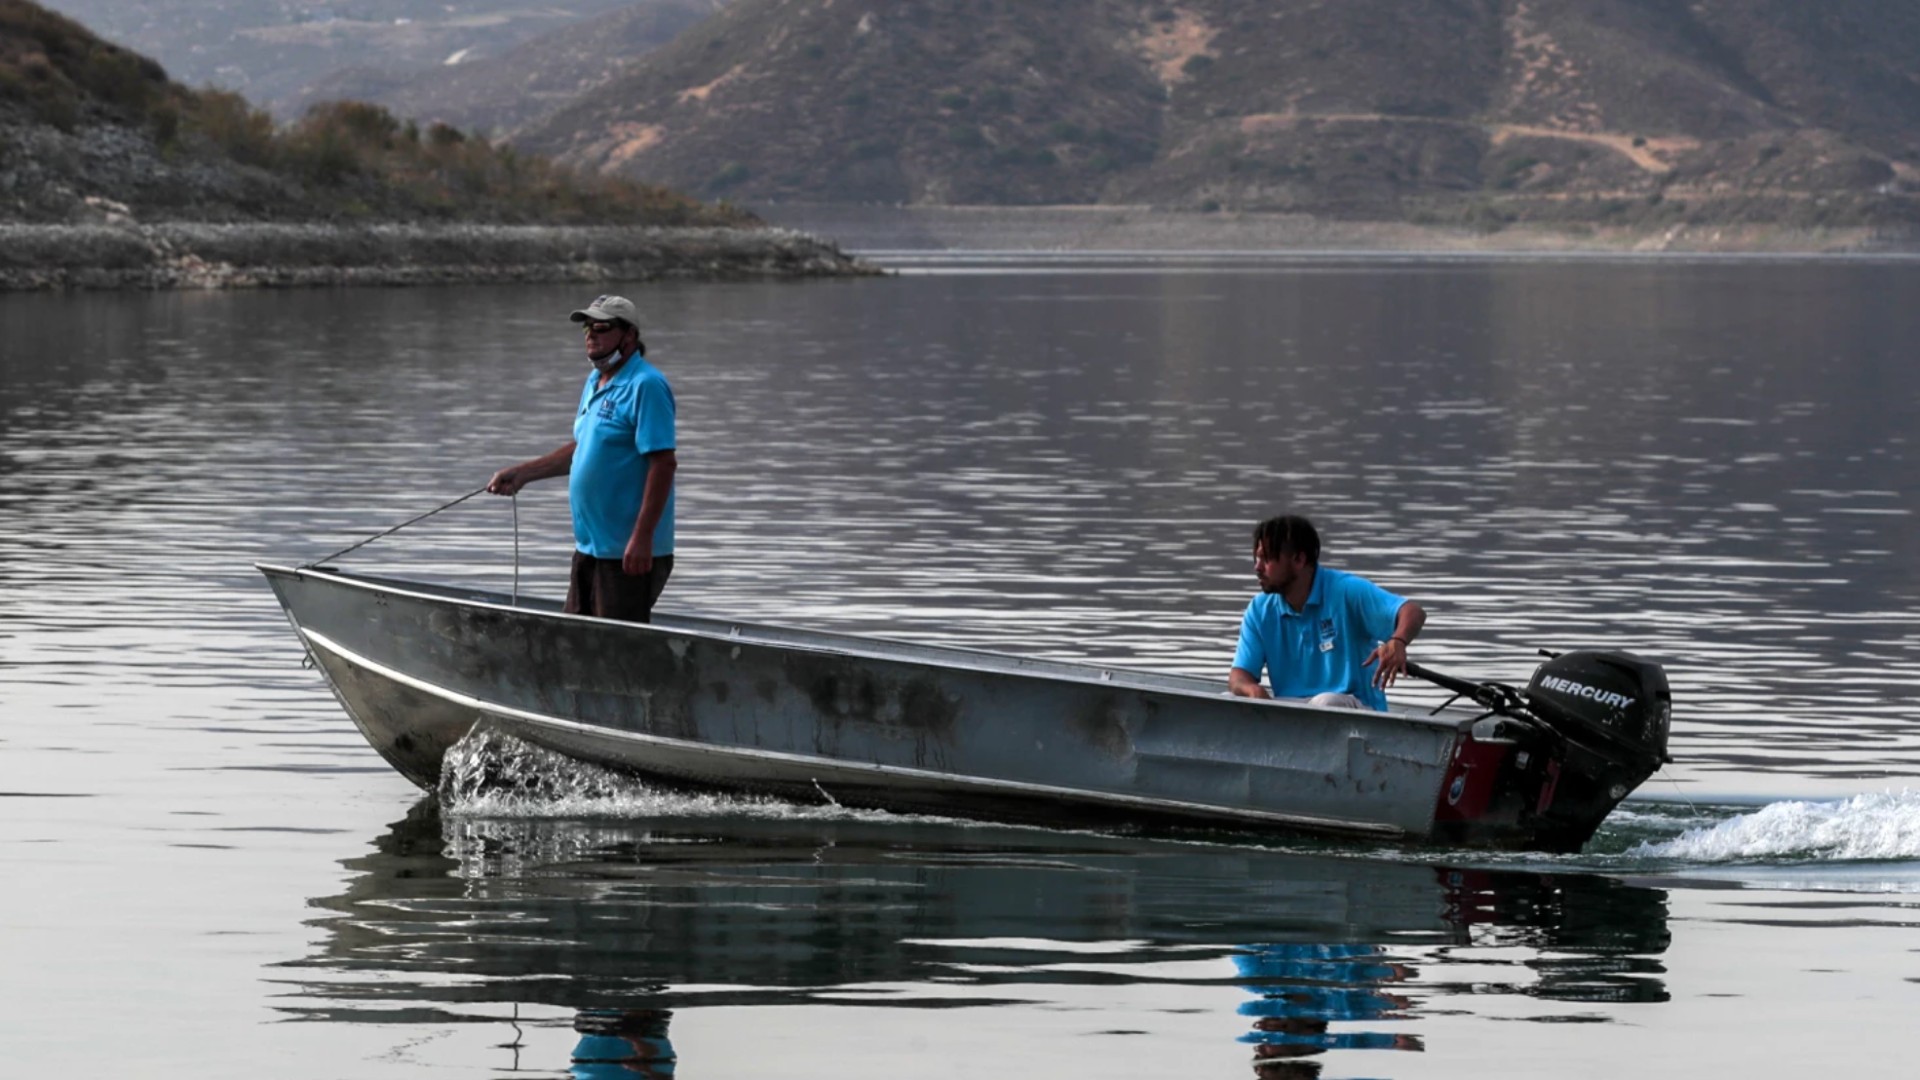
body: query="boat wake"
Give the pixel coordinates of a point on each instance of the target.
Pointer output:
(1855, 844)
(1874, 827)
(489, 774)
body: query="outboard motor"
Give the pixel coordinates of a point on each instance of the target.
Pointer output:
(1610, 699)
(1612, 711)
(1589, 728)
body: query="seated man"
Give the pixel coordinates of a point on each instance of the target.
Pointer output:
(1316, 630)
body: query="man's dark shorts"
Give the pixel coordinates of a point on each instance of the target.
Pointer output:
(599, 587)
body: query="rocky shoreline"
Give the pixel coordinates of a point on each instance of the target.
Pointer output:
(117, 255)
(1148, 229)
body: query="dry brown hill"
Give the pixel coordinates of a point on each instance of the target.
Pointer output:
(526, 82)
(91, 132)
(1480, 110)
(271, 50)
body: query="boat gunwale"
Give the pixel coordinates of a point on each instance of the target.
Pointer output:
(827, 643)
(1179, 807)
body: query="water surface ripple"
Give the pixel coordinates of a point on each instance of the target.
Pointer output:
(1707, 462)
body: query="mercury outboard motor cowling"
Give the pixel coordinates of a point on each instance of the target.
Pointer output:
(1610, 700)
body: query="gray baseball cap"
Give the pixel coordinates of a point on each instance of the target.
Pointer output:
(607, 309)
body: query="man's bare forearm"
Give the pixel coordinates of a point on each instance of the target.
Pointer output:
(653, 503)
(661, 466)
(1412, 619)
(547, 466)
(511, 479)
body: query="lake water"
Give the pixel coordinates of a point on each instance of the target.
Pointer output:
(204, 872)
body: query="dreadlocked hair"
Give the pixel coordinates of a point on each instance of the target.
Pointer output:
(1288, 532)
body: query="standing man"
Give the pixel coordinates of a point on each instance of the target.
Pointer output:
(620, 468)
(1316, 630)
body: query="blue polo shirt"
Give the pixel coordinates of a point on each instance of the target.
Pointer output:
(617, 426)
(1320, 648)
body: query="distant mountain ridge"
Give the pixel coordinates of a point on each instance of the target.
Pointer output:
(273, 51)
(527, 81)
(1478, 111)
(91, 131)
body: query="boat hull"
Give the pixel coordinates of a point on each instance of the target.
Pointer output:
(860, 721)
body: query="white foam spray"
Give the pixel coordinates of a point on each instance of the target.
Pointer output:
(490, 774)
(1880, 826)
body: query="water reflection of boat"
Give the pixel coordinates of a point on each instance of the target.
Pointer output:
(669, 915)
(868, 722)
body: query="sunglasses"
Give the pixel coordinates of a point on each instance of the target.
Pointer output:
(592, 328)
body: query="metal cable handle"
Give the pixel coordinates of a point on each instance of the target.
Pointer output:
(395, 529)
(415, 520)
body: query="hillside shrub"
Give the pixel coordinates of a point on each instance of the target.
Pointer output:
(1017, 156)
(126, 81)
(164, 121)
(320, 154)
(1120, 148)
(59, 70)
(1485, 217)
(342, 159)
(729, 175)
(366, 125)
(1403, 107)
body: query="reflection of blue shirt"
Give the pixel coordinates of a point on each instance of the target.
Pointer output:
(1334, 963)
(617, 1057)
(1323, 1002)
(1304, 987)
(616, 427)
(1328, 981)
(1326, 1040)
(1321, 648)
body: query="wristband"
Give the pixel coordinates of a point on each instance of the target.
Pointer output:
(1403, 641)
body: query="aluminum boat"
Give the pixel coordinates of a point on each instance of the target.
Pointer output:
(862, 721)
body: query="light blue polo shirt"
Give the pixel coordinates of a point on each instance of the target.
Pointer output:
(617, 426)
(1320, 648)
